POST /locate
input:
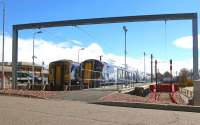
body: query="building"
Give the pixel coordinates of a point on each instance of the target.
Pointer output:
(24, 67)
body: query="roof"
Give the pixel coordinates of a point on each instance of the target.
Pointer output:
(20, 64)
(63, 61)
(89, 60)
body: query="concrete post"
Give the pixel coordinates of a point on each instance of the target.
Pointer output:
(196, 96)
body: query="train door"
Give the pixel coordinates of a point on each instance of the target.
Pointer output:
(58, 74)
(87, 74)
(67, 73)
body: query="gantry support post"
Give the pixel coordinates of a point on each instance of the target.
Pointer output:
(195, 48)
(14, 57)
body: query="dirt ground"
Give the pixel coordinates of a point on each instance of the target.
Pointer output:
(92, 95)
(162, 98)
(86, 95)
(28, 93)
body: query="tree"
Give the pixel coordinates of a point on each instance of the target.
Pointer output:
(183, 76)
(160, 76)
(167, 75)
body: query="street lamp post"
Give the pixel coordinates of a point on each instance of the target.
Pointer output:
(151, 68)
(33, 57)
(81, 84)
(43, 73)
(79, 53)
(125, 51)
(100, 57)
(144, 68)
(3, 77)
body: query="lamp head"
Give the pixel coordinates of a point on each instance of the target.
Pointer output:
(125, 29)
(39, 32)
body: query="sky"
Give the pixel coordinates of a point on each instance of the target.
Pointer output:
(165, 40)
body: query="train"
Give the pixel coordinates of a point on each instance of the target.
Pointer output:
(62, 74)
(91, 73)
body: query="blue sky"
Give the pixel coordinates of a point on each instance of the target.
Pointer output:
(142, 36)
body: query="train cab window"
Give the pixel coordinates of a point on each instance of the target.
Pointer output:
(73, 71)
(77, 72)
(98, 67)
(72, 68)
(66, 69)
(51, 69)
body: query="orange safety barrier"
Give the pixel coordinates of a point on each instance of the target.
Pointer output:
(164, 88)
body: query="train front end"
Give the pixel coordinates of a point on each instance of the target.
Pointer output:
(91, 73)
(63, 74)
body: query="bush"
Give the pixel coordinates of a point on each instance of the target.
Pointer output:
(189, 83)
(186, 83)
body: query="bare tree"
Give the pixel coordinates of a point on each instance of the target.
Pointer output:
(183, 76)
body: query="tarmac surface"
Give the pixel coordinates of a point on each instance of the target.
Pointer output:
(27, 111)
(92, 94)
(88, 95)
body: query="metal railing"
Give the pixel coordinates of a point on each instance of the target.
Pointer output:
(186, 92)
(104, 78)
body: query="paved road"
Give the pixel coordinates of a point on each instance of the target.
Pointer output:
(87, 95)
(24, 111)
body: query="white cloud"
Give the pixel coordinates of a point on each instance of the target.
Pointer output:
(48, 51)
(76, 42)
(185, 42)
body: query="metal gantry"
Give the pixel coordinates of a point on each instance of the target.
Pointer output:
(159, 17)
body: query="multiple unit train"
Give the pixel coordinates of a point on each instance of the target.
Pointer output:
(91, 73)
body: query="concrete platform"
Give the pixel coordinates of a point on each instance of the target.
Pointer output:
(169, 107)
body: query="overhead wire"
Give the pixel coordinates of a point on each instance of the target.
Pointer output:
(85, 32)
(90, 35)
(165, 42)
(52, 34)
